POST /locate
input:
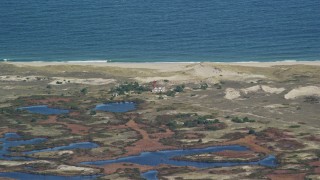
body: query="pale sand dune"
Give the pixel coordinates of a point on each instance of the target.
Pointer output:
(60, 153)
(200, 72)
(208, 70)
(71, 170)
(21, 163)
(272, 90)
(303, 91)
(75, 168)
(232, 93)
(21, 78)
(267, 89)
(275, 106)
(177, 72)
(172, 79)
(89, 81)
(251, 89)
(204, 71)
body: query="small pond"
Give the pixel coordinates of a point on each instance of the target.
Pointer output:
(150, 175)
(22, 176)
(165, 157)
(12, 140)
(43, 109)
(80, 145)
(117, 107)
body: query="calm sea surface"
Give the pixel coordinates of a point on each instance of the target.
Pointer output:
(158, 31)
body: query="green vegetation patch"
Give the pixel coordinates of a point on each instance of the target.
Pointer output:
(126, 87)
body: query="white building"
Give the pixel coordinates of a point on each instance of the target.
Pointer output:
(159, 89)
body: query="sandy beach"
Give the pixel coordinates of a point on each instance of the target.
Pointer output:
(164, 65)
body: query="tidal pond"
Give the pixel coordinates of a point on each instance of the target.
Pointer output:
(117, 107)
(13, 140)
(44, 109)
(23, 176)
(150, 175)
(165, 157)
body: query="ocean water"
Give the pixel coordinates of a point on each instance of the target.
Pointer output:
(160, 31)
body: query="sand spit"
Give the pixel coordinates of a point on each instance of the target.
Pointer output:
(303, 91)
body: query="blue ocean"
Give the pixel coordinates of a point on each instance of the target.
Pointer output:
(160, 31)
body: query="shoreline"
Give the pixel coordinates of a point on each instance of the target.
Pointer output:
(158, 65)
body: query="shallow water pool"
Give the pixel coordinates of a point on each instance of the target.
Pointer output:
(12, 140)
(150, 175)
(117, 107)
(165, 157)
(23, 176)
(44, 109)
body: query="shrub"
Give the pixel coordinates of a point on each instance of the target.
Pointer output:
(294, 126)
(251, 131)
(172, 124)
(84, 91)
(204, 86)
(92, 112)
(179, 88)
(171, 93)
(244, 120)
